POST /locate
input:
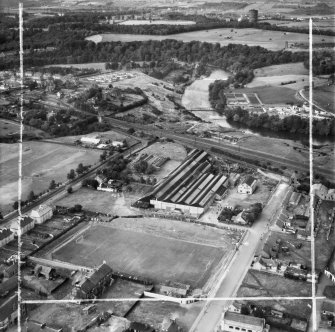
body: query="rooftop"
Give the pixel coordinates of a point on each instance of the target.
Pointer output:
(244, 319)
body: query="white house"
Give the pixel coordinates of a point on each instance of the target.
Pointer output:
(117, 143)
(232, 321)
(248, 186)
(27, 224)
(41, 214)
(90, 140)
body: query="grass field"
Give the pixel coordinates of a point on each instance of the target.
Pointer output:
(147, 255)
(42, 162)
(271, 94)
(8, 128)
(147, 22)
(283, 69)
(272, 40)
(324, 96)
(261, 284)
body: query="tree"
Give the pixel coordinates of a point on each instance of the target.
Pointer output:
(31, 196)
(1, 216)
(52, 185)
(131, 130)
(103, 156)
(80, 169)
(69, 190)
(71, 175)
(141, 166)
(15, 205)
(77, 208)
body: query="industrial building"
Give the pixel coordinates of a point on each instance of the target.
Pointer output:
(190, 188)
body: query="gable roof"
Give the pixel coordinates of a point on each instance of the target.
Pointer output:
(8, 307)
(249, 180)
(100, 273)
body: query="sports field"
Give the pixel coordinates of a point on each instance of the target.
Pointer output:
(151, 256)
(272, 40)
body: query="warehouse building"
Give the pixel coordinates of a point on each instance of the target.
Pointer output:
(190, 188)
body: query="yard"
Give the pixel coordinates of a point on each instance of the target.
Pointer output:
(42, 162)
(262, 284)
(152, 256)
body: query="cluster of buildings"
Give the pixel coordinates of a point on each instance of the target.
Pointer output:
(113, 186)
(95, 141)
(190, 188)
(111, 77)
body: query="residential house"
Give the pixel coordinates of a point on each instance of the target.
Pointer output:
(235, 307)
(299, 325)
(101, 178)
(26, 224)
(169, 325)
(323, 192)
(232, 321)
(41, 214)
(175, 289)
(93, 284)
(117, 144)
(294, 199)
(10, 271)
(47, 271)
(6, 235)
(247, 186)
(8, 312)
(140, 327)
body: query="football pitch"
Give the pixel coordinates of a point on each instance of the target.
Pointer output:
(158, 258)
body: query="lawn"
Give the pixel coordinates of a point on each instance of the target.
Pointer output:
(283, 69)
(42, 162)
(272, 40)
(324, 97)
(261, 284)
(150, 256)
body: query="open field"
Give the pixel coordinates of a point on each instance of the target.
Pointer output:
(324, 96)
(283, 69)
(164, 22)
(272, 40)
(98, 201)
(270, 94)
(42, 162)
(105, 135)
(322, 25)
(155, 257)
(8, 128)
(263, 284)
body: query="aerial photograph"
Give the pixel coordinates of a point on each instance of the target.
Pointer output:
(167, 165)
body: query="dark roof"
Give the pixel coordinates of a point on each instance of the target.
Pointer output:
(26, 220)
(328, 306)
(9, 285)
(135, 326)
(86, 286)
(8, 307)
(244, 319)
(249, 180)
(11, 268)
(4, 233)
(100, 273)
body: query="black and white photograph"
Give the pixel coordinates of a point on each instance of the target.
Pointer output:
(167, 166)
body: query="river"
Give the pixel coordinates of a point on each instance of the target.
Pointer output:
(196, 98)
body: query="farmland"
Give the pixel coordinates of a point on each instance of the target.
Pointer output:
(10, 128)
(151, 22)
(324, 97)
(144, 254)
(42, 162)
(272, 40)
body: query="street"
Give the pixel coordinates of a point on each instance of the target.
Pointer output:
(213, 310)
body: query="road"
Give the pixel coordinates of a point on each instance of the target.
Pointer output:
(301, 94)
(231, 281)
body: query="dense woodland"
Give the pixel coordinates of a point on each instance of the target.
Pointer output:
(292, 124)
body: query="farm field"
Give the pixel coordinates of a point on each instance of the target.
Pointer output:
(261, 284)
(270, 94)
(283, 69)
(322, 25)
(324, 96)
(42, 162)
(272, 40)
(8, 128)
(154, 257)
(94, 65)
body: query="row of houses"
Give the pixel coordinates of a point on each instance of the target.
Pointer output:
(290, 270)
(190, 188)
